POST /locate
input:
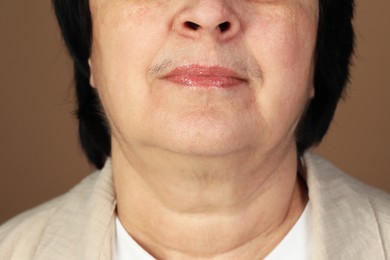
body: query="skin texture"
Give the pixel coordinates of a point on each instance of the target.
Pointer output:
(205, 172)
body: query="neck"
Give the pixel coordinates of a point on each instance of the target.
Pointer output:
(232, 207)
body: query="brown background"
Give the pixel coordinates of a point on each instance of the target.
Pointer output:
(39, 153)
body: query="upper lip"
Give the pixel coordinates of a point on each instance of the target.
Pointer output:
(205, 71)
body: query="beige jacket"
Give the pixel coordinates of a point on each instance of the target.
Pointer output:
(350, 220)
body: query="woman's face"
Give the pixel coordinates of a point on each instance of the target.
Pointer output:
(204, 77)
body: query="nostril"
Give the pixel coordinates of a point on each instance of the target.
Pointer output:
(191, 25)
(223, 27)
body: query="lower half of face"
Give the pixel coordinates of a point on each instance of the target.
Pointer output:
(166, 84)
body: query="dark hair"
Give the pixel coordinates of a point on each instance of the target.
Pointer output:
(335, 43)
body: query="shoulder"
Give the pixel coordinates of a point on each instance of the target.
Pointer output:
(24, 230)
(21, 236)
(328, 177)
(355, 213)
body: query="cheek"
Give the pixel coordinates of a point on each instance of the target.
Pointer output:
(124, 44)
(284, 41)
(125, 34)
(283, 47)
(123, 48)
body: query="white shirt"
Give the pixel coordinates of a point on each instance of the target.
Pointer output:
(294, 246)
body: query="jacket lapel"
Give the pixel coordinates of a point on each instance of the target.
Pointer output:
(83, 225)
(343, 221)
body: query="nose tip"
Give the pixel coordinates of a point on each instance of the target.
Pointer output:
(207, 17)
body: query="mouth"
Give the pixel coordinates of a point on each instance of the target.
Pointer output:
(205, 77)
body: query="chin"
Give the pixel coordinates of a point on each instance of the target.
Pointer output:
(202, 141)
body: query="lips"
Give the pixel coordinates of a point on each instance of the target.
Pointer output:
(205, 76)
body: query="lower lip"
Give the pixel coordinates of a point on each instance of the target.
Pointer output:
(205, 81)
